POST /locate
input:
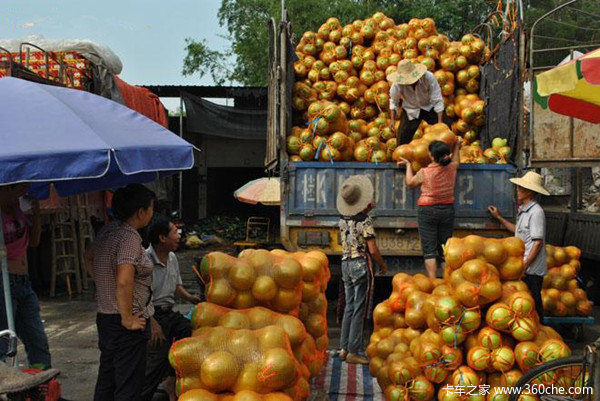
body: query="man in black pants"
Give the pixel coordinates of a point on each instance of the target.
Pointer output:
(531, 228)
(421, 97)
(167, 325)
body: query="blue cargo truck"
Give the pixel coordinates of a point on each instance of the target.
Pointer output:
(308, 214)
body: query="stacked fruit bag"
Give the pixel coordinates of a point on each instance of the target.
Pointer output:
(207, 314)
(258, 278)
(219, 359)
(477, 326)
(347, 66)
(278, 296)
(313, 308)
(561, 294)
(417, 151)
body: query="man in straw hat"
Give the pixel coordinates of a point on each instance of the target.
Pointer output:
(531, 228)
(421, 97)
(354, 202)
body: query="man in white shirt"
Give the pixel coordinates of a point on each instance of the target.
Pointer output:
(421, 97)
(531, 228)
(167, 325)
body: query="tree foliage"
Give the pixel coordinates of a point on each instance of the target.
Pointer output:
(574, 25)
(245, 62)
(246, 21)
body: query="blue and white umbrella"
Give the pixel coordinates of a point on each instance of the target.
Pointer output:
(79, 142)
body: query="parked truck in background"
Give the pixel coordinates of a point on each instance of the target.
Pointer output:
(308, 218)
(308, 214)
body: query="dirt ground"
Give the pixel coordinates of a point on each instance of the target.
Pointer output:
(71, 329)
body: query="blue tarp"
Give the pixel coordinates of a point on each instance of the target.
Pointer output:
(79, 141)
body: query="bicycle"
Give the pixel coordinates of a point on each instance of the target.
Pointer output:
(564, 379)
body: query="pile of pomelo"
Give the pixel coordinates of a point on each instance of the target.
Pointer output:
(341, 94)
(476, 326)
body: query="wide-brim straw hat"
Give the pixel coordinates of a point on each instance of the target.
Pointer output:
(407, 73)
(355, 194)
(532, 181)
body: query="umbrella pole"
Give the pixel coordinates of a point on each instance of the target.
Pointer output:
(12, 338)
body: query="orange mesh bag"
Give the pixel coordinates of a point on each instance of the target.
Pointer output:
(418, 389)
(314, 317)
(456, 253)
(429, 351)
(442, 310)
(219, 359)
(456, 333)
(313, 308)
(510, 287)
(244, 395)
(476, 283)
(414, 315)
(385, 346)
(561, 295)
(207, 314)
(383, 316)
(256, 278)
(403, 285)
(504, 254)
(417, 152)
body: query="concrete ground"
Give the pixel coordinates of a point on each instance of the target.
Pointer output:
(71, 329)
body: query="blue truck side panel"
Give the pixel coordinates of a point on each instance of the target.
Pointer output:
(313, 186)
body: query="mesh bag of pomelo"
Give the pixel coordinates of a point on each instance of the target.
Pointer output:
(500, 359)
(256, 278)
(562, 295)
(476, 283)
(207, 314)
(244, 395)
(530, 354)
(510, 318)
(506, 254)
(315, 271)
(314, 317)
(388, 345)
(499, 382)
(417, 151)
(463, 378)
(510, 287)
(219, 359)
(456, 333)
(437, 360)
(417, 389)
(403, 285)
(313, 308)
(303, 95)
(384, 317)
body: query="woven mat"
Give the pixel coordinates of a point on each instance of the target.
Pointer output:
(340, 381)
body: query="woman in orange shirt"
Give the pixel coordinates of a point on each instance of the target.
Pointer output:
(436, 203)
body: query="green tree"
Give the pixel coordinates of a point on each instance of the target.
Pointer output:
(246, 21)
(575, 25)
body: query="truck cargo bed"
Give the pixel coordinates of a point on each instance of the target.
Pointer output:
(310, 216)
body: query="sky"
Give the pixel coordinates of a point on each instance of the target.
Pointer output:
(147, 35)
